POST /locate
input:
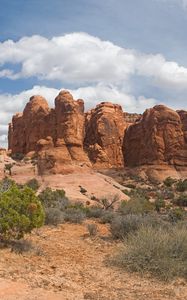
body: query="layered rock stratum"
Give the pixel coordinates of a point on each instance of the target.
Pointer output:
(66, 137)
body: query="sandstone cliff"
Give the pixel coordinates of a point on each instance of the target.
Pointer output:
(65, 138)
(157, 138)
(104, 135)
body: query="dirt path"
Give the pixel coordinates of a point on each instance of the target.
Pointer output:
(72, 265)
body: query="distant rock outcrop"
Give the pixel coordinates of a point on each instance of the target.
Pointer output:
(157, 139)
(65, 138)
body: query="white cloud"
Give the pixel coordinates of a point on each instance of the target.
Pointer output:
(84, 59)
(102, 69)
(96, 94)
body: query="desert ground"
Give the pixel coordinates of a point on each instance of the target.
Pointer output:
(67, 263)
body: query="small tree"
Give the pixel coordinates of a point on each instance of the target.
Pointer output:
(20, 212)
(8, 167)
(169, 181)
(54, 199)
(181, 185)
(33, 184)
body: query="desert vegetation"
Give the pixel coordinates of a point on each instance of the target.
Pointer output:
(150, 227)
(20, 211)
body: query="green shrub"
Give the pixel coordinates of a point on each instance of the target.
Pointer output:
(107, 217)
(8, 167)
(126, 192)
(181, 185)
(176, 214)
(181, 200)
(139, 193)
(17, 156)
(20, 212)
(53, 216)
(108, 203)
(169, 181)
(162, 253)
(159, 204)
(21, 246)
(33, 184)
(135, 205)
(94, 212)
(54, 199)
(92, 229)
(6, 184)
(123, 225)
(130, 185)
(74, 215)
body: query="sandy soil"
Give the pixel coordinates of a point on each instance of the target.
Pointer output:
(69, 265)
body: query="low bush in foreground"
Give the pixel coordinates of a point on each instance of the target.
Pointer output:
(161, 253)
(92, 229)
(121, 226)
(20, 212)
(53, 216)
(74, 215)
(94, 212)
(136, 205)
(57, 198)
(107, 217)
(181, 200)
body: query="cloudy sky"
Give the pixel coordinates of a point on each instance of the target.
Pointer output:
(131, 52)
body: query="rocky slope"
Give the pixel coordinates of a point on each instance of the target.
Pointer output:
(66, 138)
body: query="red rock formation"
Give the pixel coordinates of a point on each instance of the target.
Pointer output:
(104, 135)
(16, 136)
(62, 154)
(131, 118)
(27, 128)
(156, 139)
(183, 152)
(70, 125)
(66, 138)
(183, 116)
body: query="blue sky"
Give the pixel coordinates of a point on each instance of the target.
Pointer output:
(131, 52)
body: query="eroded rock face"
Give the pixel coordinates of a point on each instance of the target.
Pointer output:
(183, 116)
(66, 138)
(131, 118)
(57, 135)
(16, 134)
(27, 128)
(104, 135)
(70, 125)
(157, 139)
